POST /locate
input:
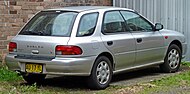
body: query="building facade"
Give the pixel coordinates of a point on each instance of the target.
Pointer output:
(15, 13)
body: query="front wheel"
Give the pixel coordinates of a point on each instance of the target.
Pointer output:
(101, 73)
(172, 59)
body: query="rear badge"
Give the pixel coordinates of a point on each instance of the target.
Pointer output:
(33, 46)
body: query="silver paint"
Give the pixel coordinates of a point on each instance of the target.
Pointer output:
(126, 52)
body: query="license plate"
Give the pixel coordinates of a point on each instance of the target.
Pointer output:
(34, 68)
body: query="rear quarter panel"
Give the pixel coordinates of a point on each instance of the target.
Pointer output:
(92, 45)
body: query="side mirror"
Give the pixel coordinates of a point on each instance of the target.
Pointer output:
(158, 26)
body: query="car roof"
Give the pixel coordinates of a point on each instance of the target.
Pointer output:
(85, 8)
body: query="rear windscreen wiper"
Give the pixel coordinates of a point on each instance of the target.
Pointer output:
(33, 32)
(28, 32)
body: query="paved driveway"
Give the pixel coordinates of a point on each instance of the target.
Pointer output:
(126, 79)
(144, 75)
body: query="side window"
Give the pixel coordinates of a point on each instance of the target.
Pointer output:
(113, 22)
(135, 22)
(87, 24)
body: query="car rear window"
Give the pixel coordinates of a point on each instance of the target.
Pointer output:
(55, 23)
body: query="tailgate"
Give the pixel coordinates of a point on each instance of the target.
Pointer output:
(38, 47)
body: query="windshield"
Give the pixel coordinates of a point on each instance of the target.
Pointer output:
(50, 24)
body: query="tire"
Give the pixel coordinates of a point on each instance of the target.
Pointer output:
(172, 59)
(101, 74)
(34, 78)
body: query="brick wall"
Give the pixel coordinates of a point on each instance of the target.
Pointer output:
(15, 13)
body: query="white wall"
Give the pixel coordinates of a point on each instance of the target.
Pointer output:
(173, 14)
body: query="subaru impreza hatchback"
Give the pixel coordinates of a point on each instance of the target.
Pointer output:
(92, 41)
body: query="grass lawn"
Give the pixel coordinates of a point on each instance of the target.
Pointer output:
(11, 83)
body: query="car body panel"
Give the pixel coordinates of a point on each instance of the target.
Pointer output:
(151, 49)
(126, 53)
(172, 36)
(62, 66)
(45, 45)
(123, 49)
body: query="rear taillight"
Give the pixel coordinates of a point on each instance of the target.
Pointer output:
(68, 50)
(12, 47)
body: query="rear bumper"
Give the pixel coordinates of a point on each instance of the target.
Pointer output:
(58, 66)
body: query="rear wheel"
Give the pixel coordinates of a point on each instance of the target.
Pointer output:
(34, 78)
(172, 59)
(101, 73)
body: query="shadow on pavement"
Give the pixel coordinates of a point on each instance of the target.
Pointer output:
(81, 82)
(152, 71)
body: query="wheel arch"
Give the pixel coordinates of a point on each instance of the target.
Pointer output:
(178, 43)
(110, 57)
(166, 67)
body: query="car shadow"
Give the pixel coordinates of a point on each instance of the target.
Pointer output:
(66, 82)
(80, 83)
(152, 71)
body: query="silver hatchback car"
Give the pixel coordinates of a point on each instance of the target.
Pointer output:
(92, 41)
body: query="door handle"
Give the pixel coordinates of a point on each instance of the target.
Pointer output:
(139, 40)
(109, 43)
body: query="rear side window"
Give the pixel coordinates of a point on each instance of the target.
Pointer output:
(87, 24)
(113, 22)
(50, 24)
